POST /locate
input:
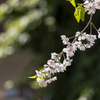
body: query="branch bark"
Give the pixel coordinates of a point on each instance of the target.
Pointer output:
(87, 23)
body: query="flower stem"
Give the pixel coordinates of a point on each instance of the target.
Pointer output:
(90, 28)
(64, 56)
(94, 26)
(72, 37)
(74, 40)
(60, 55)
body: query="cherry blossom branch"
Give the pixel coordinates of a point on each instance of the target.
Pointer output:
(54, 65)
(84, 28)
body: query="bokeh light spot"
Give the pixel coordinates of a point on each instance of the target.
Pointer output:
(8, 84)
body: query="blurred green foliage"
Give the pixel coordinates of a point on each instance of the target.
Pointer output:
(38, 24)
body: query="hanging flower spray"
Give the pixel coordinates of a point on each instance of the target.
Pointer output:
(55, 65)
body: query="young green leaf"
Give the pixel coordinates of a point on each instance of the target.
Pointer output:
(73, 3)
(82, 14)
(32, 76)
(79, 13)
(76, 14)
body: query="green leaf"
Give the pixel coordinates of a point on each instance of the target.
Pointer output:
(41, 77)
(32, 76)
(82, 14)
(73, 3)
(76, 14)
(79, 13)
(79, 4)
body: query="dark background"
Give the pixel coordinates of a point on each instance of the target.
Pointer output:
(30, 31)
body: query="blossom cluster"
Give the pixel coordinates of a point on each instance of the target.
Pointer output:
(91, 6)
(59, 62)
(55, 65)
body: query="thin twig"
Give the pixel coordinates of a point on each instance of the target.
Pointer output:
(90, 28)
(87, 23)
(94, 27)
(85, 27)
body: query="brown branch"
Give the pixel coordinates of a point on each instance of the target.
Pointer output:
(87, 23)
